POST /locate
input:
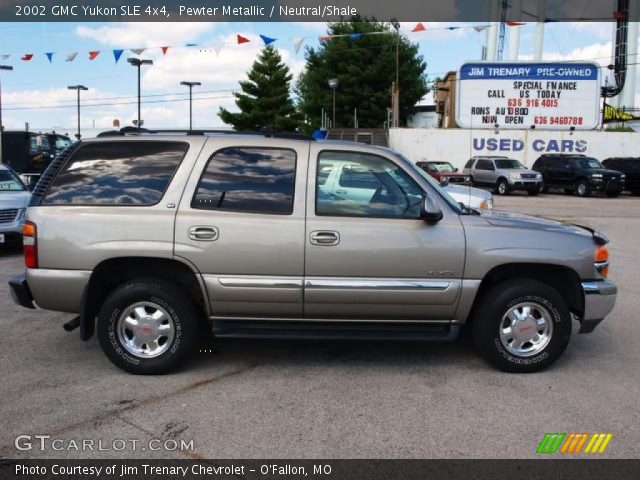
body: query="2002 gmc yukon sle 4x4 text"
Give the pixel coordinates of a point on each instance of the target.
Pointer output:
(153, 238)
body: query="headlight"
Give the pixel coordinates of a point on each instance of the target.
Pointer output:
(623, 176)
(486, 204)
(467, 179)
(514, 176)
(538, 176)
(596, 175)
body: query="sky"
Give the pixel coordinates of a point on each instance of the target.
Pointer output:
(36, 90)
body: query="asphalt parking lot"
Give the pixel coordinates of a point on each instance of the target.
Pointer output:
(274, 399)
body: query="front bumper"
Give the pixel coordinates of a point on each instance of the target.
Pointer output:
(524, 184)
(20, 291)
(599, 300)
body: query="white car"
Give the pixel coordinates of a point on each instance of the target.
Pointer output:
(470, 197)
(14, 199)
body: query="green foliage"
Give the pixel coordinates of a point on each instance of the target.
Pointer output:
(264, 101)
(365, 68)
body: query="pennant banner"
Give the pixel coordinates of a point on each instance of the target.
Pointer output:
(481, 28)
(297, 43)
(419, 28)
(49, 56)
(138, 51)
(267, 40)
(117, 54)
(71, 57)
(5, 56)
(27, 56)
(217, 46)
(164, 50)
(242, 39)
(612, 114)
(94, 54)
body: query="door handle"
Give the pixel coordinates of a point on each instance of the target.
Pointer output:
(203, 233)
(324, 238)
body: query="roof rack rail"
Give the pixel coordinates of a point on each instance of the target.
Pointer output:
(133, 131)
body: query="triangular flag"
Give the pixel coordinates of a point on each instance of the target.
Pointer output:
(267, 40)
(4, 56)
(27, 57)
(242, 39)
(217, 46)
(356, 36)
(419, 28)
(94, 54)
(164, 50)
(190, 44)
(326, 37)
(117, 54)
(297, 43)
(481, 28)
(619, 16)
(515, 24)
(138, 51)
(49, 56)
(453, 28)
(71, 57)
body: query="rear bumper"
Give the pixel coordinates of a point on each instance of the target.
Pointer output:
(20, 291)
(599, 300)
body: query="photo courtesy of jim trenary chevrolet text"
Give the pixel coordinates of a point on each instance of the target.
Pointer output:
(275, 239)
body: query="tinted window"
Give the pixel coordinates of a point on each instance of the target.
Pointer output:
(565, 163)
(508, 164)
(484, 165)
(469, 163)
(588, 163)
(256, 180)
(370, 186)
(9, 181)
(117, 173)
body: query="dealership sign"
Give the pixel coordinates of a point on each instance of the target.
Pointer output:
(548, 96)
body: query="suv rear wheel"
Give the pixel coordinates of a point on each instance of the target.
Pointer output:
(583, 189)
(148, 326)
(522, 326)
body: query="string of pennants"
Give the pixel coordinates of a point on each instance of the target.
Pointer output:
(240, 39)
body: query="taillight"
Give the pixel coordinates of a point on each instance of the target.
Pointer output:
(601, 260)
(30, 242)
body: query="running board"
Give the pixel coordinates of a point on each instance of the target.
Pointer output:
(305, 330)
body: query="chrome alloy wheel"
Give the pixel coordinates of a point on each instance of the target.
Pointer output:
(145, 330)
(526, 329)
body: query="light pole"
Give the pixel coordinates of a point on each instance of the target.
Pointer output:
(137, 62)
(191, 85)
(9, 68)
(78, 88)
(396, 85)
(333, 83)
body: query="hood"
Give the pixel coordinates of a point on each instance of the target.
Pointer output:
(519, 170)
(605, 171)
(14, 200)
(463, 190)
(516, 220)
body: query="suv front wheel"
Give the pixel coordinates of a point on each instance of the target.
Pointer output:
(148, 326)
(502, 187)
(522, 326)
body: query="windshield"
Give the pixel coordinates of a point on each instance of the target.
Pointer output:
(10, 182)
(441, 167)
(588, 163)
(431, 181)
(508, 164)
(62, 143)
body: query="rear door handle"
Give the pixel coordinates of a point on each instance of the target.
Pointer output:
(203, 233)
(324, 238)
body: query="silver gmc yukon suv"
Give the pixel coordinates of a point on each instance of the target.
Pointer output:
(156, 239)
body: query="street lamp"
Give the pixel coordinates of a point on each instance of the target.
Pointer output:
(8, 68)
(137, 62)
(333, 83)
(78, 88)
(396, 90)
(191, 85)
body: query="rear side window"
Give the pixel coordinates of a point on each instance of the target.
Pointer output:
(469, 164)
(484, 165)
(117, 173)
(251, 180)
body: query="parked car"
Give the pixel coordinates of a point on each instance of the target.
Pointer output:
(14, 199)
(444, 172)
(31, 152)
(502, 173)
(578, 174)
(630, 167)
(153, 238)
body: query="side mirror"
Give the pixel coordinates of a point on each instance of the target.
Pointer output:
(444, 182)
(429, 210)
(455, 170)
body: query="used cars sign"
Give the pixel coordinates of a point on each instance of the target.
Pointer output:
(549, 96)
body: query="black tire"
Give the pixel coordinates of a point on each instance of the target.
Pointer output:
(583, 189)
(181, 313)
(636, 193)
(613, 194)
(502, 187)
(543, 187)
(533, 193)
(569, 191)
(494, 306)
(473, 182)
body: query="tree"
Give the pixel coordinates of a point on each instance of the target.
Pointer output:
(365, 66)
(265, 101)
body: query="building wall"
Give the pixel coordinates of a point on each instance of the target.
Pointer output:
(457, 145)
